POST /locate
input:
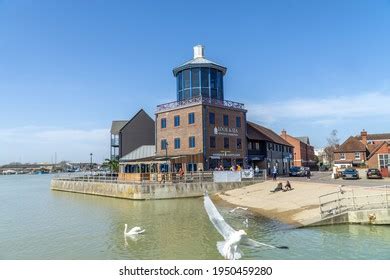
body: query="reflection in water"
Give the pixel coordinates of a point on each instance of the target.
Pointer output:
(73, 226)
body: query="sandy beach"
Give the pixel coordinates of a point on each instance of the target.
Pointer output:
(298, 207)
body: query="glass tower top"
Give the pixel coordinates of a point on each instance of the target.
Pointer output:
(199, 77)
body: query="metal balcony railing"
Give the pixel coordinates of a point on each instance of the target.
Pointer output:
(199, 100)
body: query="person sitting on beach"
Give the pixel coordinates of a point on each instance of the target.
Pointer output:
(287, 187)
(278, 188)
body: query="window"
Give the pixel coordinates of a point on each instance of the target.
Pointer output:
(212, 141)
(204, 77)
(239, 145)
(191, 167)
(177, 120)
(250, 146)
(191, 118)
(225, 120)
(384, 160)
(191, 141)
(186, 78)
(357, 155)
(212, 118)
(342, 156)
(257, 146)
(195, 77)
(163, 123)
(177, 143)
(226, 142)
(164, 144)
(238, 121)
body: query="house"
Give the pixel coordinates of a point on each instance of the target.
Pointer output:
(366, 150)
(126, 136)
(303, 151)
(267, 149)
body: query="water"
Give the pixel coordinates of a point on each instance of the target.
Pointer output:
(37, 223)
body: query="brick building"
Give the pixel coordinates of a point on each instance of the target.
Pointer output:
(200, 130)
(303, 152)
(267, 149)
(366, 150)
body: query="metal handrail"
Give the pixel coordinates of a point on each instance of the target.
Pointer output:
(349, 202)
(200, 100)
(160, 178)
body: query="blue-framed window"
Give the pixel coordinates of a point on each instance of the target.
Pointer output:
(191, 142)
(164, 144)
(239, 144)
(212, 118)
(191, 118)
(212, 142)
(226, 142)
(225, 120)
(163, 123)
(191, 167)
(177, 143)
(238, 121)
(177, 120)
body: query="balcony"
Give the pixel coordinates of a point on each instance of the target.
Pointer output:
(115, 142)
(200, 100)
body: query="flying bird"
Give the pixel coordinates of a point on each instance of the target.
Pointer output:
(229, 248)
(242, 208)
(133, 231)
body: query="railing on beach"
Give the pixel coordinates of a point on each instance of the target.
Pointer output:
(339, 202)
(159, 178)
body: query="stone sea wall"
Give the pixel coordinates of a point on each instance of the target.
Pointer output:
(145, 190)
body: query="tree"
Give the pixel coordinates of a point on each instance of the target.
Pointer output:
(332, 146)
(113, 164)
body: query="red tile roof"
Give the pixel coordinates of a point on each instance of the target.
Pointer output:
(352, 144)
(258, 132)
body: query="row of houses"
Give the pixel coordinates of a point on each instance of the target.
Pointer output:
(365, 150)
(202, 130)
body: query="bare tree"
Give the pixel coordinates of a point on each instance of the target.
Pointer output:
(333, 144)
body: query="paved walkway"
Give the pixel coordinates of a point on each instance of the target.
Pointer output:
(297, 207)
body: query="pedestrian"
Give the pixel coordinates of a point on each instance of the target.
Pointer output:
(308, 174)
(274, 173)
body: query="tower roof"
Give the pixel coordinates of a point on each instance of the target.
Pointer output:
(199, 61)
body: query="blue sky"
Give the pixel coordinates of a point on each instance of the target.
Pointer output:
(68, 68)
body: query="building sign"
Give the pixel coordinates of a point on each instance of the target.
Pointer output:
(222, 155)
(226, 131)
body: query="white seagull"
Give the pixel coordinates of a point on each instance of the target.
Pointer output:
(133, 231)
(239, 207)
(229, 248)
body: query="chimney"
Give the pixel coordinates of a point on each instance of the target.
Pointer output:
(363, 134)
(284, 134)
(198, 51)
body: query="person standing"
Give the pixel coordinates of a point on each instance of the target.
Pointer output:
(274, 173)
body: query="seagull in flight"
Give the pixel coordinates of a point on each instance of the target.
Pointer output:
(229, 248)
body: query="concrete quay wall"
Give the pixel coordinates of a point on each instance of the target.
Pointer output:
(372, 216)
(144, 191)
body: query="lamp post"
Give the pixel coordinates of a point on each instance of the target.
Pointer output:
(91, 161)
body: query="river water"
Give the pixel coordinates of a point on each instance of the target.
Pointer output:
(37, 223)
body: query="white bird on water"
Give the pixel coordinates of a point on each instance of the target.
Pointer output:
(229, 248)
(133, 231)
(239, 207)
